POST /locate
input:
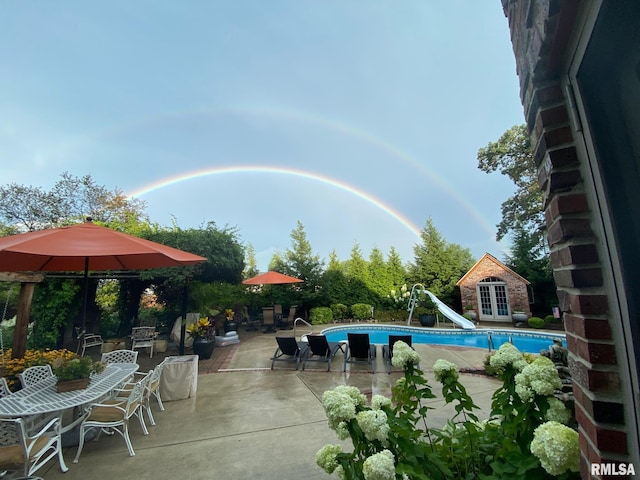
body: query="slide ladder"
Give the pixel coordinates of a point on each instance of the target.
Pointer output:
(443, 308)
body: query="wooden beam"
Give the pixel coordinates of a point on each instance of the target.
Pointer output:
(31, 277)
(19, 346)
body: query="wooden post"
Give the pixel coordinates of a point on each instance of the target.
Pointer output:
(27, 286)
(22, 320)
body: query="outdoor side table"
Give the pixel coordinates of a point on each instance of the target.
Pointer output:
(179, 379)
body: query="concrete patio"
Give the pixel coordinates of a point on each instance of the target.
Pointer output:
(247, 421)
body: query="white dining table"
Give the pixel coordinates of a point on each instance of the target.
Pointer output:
(42, 397)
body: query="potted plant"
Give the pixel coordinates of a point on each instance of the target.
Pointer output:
(203, 334)
(230, 323)
(519, 316)
(426, 311)
(470, 313)
(74, 374)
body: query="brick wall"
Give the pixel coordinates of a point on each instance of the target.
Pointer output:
(540, 30)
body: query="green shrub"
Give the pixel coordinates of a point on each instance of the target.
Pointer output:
(361, 311)
(320, 315)
(536, 322)
(340, 311)
(551, 319)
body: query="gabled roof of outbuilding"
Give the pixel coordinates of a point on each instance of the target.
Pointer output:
(487, 257)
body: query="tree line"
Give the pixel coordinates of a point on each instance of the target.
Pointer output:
(115, 304)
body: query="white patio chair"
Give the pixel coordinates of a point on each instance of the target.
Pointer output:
(125, 390)
(120, 356)
(23, 452)
(114, 416)
(32, 375)
(87, 340)
(142, 337)
(4, 388)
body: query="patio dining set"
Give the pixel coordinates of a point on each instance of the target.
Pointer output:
(35, 419)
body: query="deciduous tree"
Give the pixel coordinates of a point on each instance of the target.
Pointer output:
(513, 157)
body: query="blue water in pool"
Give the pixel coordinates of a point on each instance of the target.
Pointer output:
(531, 342)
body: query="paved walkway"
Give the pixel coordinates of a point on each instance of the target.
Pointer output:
(248, 421)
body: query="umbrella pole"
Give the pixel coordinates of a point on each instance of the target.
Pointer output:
(183, 324)
(86, 293)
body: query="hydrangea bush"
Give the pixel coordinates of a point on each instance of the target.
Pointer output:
(524, 437)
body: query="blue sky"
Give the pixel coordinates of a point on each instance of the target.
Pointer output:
(358, 118)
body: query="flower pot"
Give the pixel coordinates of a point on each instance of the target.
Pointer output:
(231, 326)
(471, 314)
(427, 319)
(203, 347)
(519, 317)
(70, 385)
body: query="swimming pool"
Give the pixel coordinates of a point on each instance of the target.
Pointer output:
(531, 342)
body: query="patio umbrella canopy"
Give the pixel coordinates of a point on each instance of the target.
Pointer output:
(84, 247)
(271, 278)
(81, 248)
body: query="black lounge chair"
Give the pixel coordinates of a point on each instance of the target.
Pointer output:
(289, 350)
(320, 350)
(387, 350)
(359, 350)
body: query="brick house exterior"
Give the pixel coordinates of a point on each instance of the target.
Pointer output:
(578, 63)
(486, 269)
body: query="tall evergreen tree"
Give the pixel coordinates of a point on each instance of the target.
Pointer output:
(438, 265)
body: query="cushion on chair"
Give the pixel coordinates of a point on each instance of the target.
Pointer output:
(106, 412)
(12, 457)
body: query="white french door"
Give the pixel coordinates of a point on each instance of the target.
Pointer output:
(494, 301)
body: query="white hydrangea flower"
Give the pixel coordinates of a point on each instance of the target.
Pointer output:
(379, 466)
(524, 392)
(443, 368)
(540, 376)
(403, 354)
(557, 448)
(507, 355)
(358, 398)
(380, 401)
(326, 457)
(340, 472)
(342, 432)
(558, 411)
(339, 406)
(374, 424)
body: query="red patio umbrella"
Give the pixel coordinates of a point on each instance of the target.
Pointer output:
(84, 247)
(271, 278)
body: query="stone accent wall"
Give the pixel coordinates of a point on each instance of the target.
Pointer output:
(540, 30)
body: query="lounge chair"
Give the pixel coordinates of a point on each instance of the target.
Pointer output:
(289, 350)
(387, 350)
(320, 350)
(359, 350)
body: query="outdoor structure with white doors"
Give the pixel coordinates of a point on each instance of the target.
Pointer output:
(494, 290)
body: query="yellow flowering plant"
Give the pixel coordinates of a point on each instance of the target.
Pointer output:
(14, 366)
(203, 328)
